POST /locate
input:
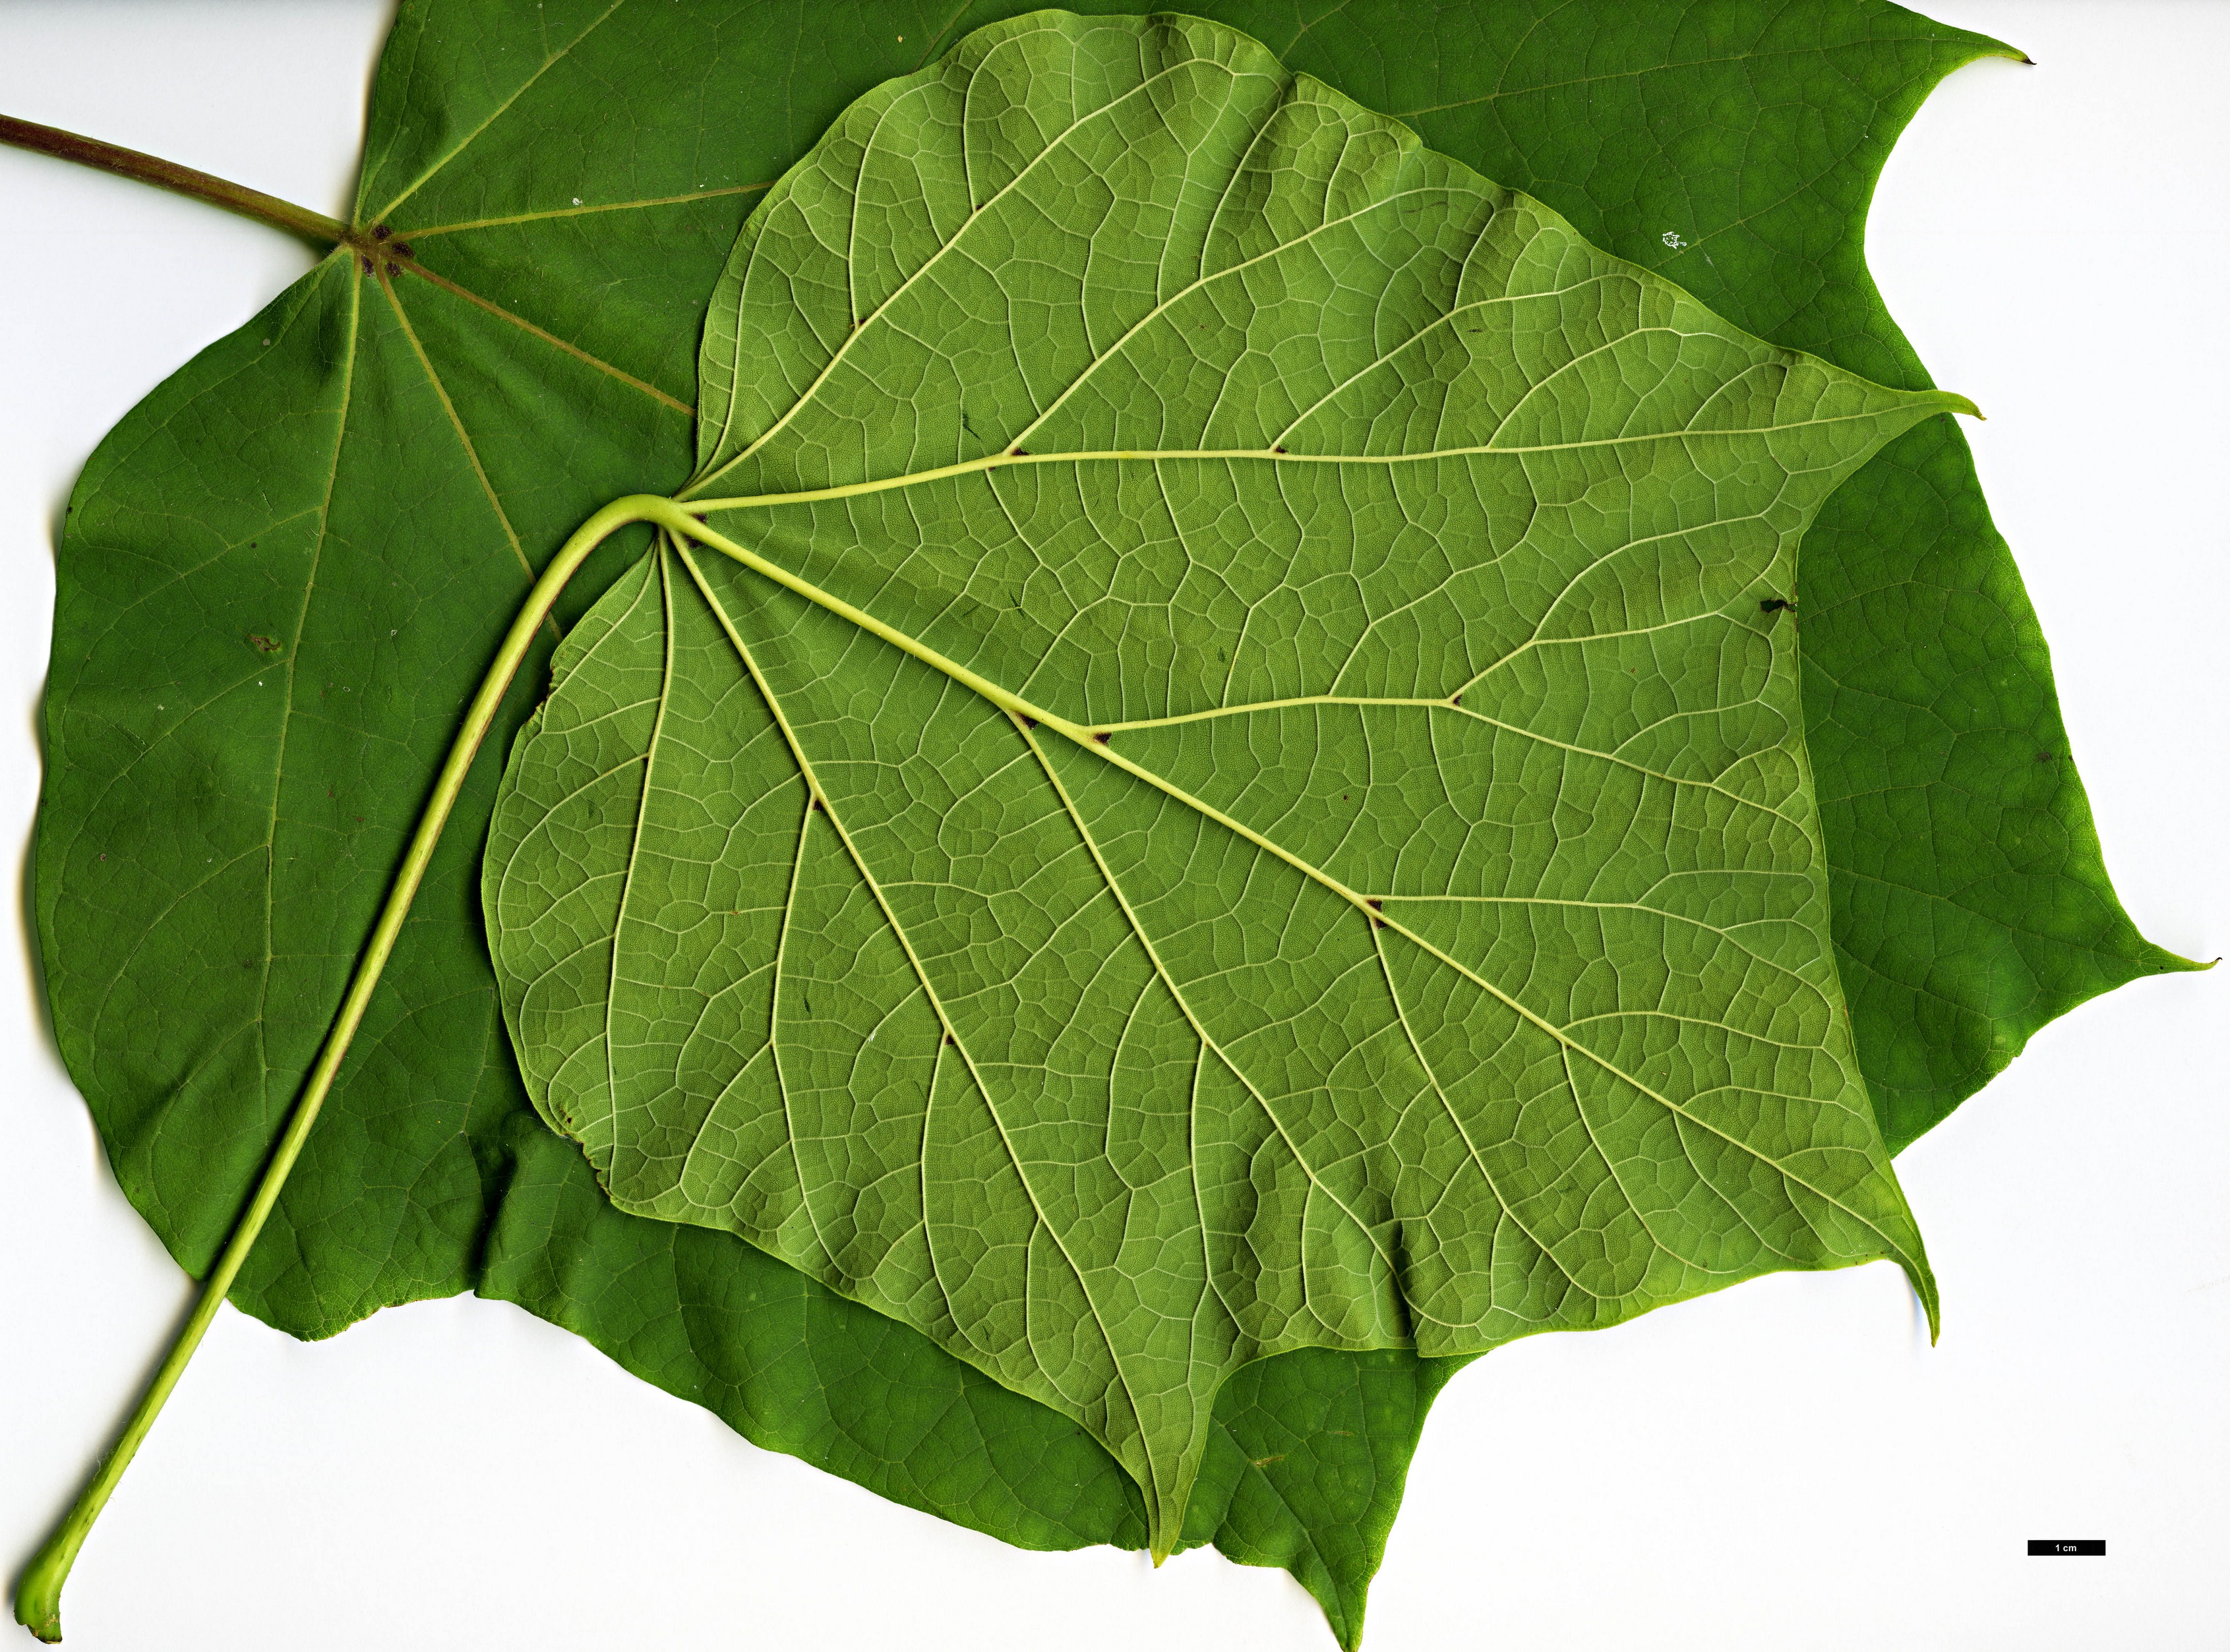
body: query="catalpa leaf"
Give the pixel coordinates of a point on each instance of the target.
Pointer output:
(548, 242)
(1241, 788)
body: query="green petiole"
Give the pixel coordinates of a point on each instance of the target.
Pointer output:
(38, 1592)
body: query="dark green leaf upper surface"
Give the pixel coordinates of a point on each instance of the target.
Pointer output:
(340, 478)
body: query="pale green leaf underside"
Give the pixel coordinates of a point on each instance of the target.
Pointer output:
(1434, 950)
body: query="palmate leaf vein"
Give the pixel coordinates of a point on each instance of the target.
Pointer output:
(550, 62)
(951, 1035)
(1083, 738)
(457, 425)
(1020, 711)
(634, 843)
(285, 726)
(1176, 990)
(590, 210)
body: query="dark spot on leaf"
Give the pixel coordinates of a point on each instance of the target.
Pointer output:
(1101, 738)
(381, 232)
(263, 645)
(1775, 604)
(1029, 723)
(1375, 905)
(1456, 698)
(948, 1038)
(1276, 450)
(366, 260)
(403, 248)
(394, 269)
(1018, 453)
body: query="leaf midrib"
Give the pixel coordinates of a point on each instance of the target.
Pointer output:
(683, 520)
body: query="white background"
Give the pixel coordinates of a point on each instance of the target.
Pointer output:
(1782, 1467)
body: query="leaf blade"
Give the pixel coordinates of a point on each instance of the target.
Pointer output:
(1278, 359)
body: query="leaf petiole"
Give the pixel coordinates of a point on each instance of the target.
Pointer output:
(313, 227)
(38, 1594)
